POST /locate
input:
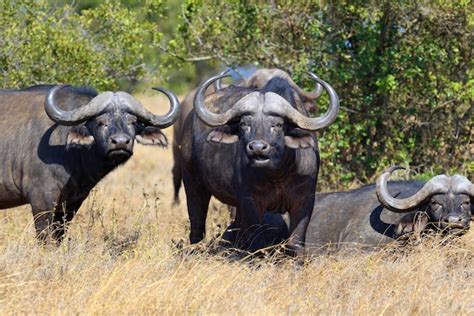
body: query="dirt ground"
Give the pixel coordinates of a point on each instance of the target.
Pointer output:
(123, 254)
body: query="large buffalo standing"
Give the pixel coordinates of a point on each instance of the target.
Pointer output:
(257, 80)
(254, 149)
(375, 215)
(57, 142)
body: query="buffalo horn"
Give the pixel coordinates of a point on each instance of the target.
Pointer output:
(211, 119)
(218, 83)
(69, 118)
(435, 185)
(137, 109)
(302, 121)
(462, 185)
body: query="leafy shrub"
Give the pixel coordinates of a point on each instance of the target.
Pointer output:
(105, 46)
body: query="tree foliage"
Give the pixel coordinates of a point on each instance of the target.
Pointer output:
(403, 71)
(105, 46)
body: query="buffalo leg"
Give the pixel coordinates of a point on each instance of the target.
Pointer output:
(43, 224)
(198, 202)
(62, 217)
(43, 205)
(299, 221)
(249, 219)
(176, 172)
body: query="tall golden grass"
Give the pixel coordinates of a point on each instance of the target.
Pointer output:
(121, 257)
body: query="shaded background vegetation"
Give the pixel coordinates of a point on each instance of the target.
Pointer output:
(403, 70)
(108, 47)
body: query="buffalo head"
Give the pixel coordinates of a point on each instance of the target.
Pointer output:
(446, 200)
(265, 122)
(111, 122)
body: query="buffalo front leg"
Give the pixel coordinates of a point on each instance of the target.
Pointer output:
(44, 203)
(299, 221)
(197, 199)
(249, 220)
(43, 224)
(176, 171)
(62, 217)
(43, 206)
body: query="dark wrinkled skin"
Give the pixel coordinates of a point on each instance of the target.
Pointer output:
(286, 182)
(54, 167)
(356, 219)
(186, 107)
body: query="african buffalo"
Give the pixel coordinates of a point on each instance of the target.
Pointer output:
(375, 215)
(57, 142)
(253, 148)
(257, 80)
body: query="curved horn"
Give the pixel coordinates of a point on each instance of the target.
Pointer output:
(161, 121)
(316, 92)
(313, 95)
(218, 83)
(74, 117)
(462, 185)
(316, 123)
(434, 186)
(212, 119)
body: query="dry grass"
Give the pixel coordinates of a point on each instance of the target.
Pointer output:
(120, 257)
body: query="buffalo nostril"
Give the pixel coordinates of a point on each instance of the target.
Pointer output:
(120, 140)
(262, 146)
(257, 147)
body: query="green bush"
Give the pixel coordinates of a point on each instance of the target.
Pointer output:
(106, 46)
(403, 71)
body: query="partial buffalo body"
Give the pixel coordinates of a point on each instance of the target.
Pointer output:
(358, 219)
(253, 149)
(57, 142)
(258, 80)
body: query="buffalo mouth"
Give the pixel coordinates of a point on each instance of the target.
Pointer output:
(260, 160)
(454, 228)
(119, 154)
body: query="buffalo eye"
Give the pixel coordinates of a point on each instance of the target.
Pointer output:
(244, 125)
(435, 204)
(101, 124)
(132, 121)
(466, 204)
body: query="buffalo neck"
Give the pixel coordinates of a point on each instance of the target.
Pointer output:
(88, 166)
(271, 175)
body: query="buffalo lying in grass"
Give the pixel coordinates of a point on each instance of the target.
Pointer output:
(377, 214)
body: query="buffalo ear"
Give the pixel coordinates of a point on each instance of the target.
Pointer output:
(152, 136)
(79, 136)
(411, 223)
(221, 136)
(303, 141)
(310, 106)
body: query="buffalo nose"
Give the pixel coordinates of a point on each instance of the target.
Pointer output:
(119, 139)
(258, 147)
